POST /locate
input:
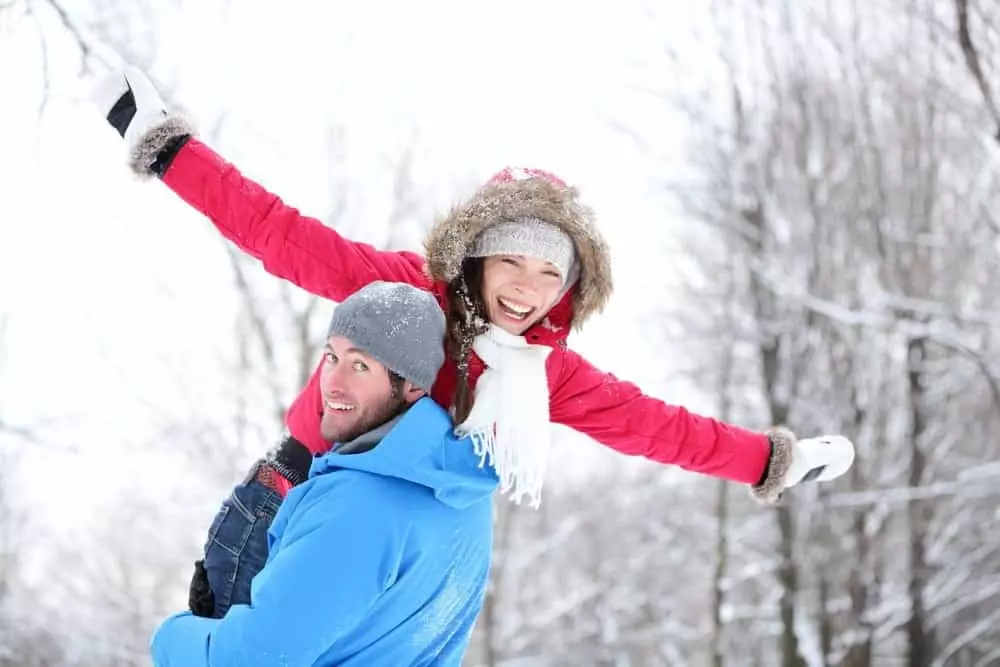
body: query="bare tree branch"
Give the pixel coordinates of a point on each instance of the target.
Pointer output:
(22, 432)
(44, 47)
(86, 52)
(258, 326)
(972, 61)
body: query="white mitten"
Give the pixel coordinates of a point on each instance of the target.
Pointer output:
(129, 102)
(793, 461)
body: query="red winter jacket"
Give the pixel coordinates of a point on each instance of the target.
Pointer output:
(319, 260)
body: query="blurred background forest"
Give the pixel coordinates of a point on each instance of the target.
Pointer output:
(799, 196)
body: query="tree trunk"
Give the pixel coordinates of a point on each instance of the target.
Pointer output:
(787, 573)
(917, 631)
(825, 621)
(721, 563)
(788, 578)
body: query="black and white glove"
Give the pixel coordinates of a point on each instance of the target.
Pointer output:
(794, 461)
(129, 102)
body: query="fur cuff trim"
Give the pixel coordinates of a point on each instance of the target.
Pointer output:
(769, 491)
(154, 140)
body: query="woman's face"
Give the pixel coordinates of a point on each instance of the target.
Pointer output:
(518, 290)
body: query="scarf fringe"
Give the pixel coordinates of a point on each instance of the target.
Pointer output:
(517, 480)
(509, 422)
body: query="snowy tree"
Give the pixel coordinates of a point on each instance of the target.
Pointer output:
(838, 178)
(834, 241)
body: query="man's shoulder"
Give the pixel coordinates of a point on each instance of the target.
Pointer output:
(374, 503)
(367, 497)
(427, 417)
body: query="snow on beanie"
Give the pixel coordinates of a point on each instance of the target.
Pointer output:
(399, 325)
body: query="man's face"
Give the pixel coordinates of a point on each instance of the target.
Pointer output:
(357, 392)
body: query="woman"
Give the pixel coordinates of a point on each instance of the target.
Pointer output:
(515, 268)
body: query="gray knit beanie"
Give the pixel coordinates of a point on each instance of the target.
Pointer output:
(531, 237)
(400, 326)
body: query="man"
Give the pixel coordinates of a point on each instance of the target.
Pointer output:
(382, 556)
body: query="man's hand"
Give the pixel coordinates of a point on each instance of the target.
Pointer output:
(200, 597)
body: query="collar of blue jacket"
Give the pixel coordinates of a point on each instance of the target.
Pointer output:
(446, 465)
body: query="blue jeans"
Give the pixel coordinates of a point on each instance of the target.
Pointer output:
(236, 548)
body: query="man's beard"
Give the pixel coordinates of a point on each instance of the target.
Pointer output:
(392, 406)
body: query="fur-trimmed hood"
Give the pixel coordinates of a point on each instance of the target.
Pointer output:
(514, 194)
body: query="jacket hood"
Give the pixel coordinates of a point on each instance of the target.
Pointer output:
(519, 193)
(422, 449)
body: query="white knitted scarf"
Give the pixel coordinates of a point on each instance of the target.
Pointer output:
(509, 422)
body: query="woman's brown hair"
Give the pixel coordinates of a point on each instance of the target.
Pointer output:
(466, 319)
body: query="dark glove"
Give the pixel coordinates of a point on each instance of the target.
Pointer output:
(200, 597)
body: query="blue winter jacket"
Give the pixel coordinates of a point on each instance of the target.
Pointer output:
(380, 558)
